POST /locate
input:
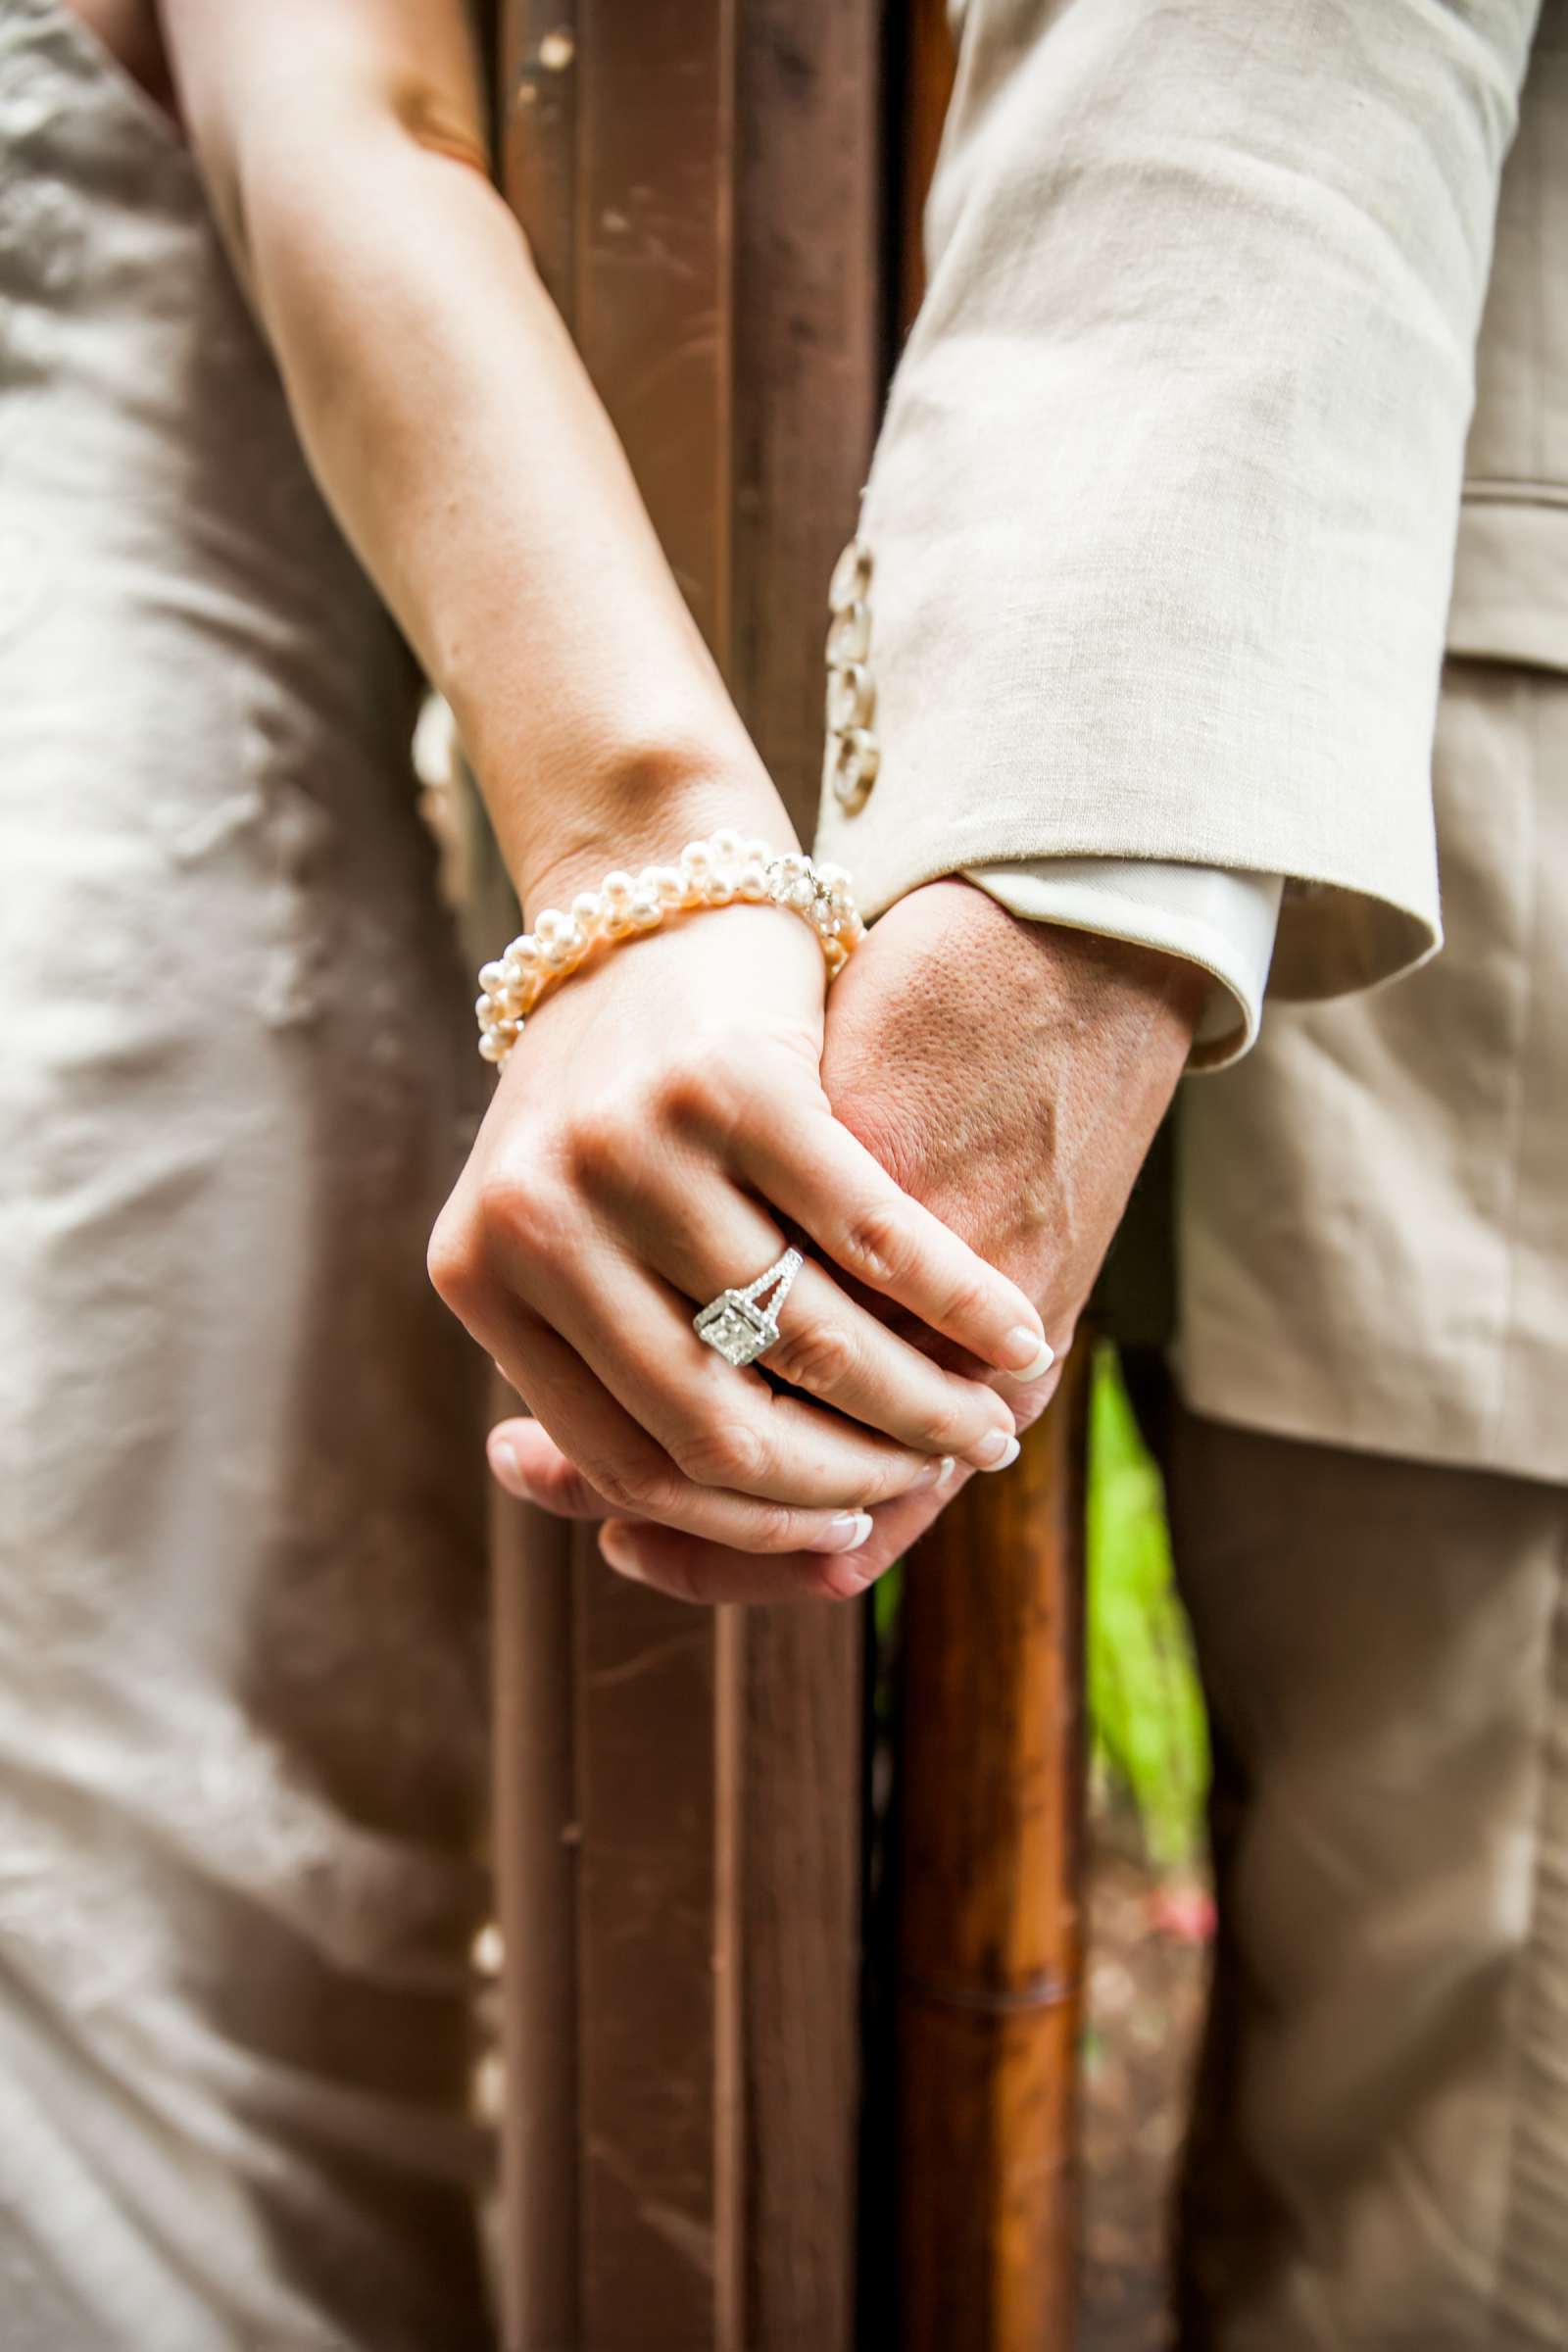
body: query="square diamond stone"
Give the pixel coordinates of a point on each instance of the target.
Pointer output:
(739, 1330)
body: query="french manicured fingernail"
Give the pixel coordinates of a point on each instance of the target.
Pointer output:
(504, 1464)
(847, 1532)
(935, 1474)
(996, 1451)
(1026, 1354)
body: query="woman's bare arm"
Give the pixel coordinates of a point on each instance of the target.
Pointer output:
(452, 427)
(617, 1181)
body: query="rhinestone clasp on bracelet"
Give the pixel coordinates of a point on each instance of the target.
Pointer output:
(719, 872)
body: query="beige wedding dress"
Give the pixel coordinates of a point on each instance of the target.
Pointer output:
(241, 1685)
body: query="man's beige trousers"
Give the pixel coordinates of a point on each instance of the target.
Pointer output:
(1380, 2156)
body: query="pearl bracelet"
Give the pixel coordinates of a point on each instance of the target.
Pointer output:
(717, 872)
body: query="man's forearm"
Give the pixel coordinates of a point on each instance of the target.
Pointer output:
(451, 425)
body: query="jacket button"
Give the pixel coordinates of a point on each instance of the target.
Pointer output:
(849, 639)
(851, 697)
(853, 759)
(851, 577)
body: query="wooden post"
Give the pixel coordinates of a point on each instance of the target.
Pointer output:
(533, 1628)
(679, 1858)
(535, 1840)
(986, 1929)
(809, 378)
(987, 1925)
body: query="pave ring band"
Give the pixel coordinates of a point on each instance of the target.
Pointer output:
(738, 1324)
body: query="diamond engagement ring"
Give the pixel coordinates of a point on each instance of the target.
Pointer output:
(737, 1324)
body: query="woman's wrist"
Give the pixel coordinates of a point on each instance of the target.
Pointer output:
(636, 807)
(725, 870)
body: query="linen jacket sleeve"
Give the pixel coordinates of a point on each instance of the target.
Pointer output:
(1154, 557)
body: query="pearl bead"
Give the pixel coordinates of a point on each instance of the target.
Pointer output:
(711, 873)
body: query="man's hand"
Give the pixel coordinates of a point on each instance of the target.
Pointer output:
(1011, 1075)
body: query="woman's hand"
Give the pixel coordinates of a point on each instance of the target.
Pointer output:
(659, 1133)
(1013, 1075)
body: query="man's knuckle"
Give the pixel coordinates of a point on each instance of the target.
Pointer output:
(897, 1137)
(1028, 1407)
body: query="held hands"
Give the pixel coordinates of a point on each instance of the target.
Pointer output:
(659, 1135)
(1011, 1075)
